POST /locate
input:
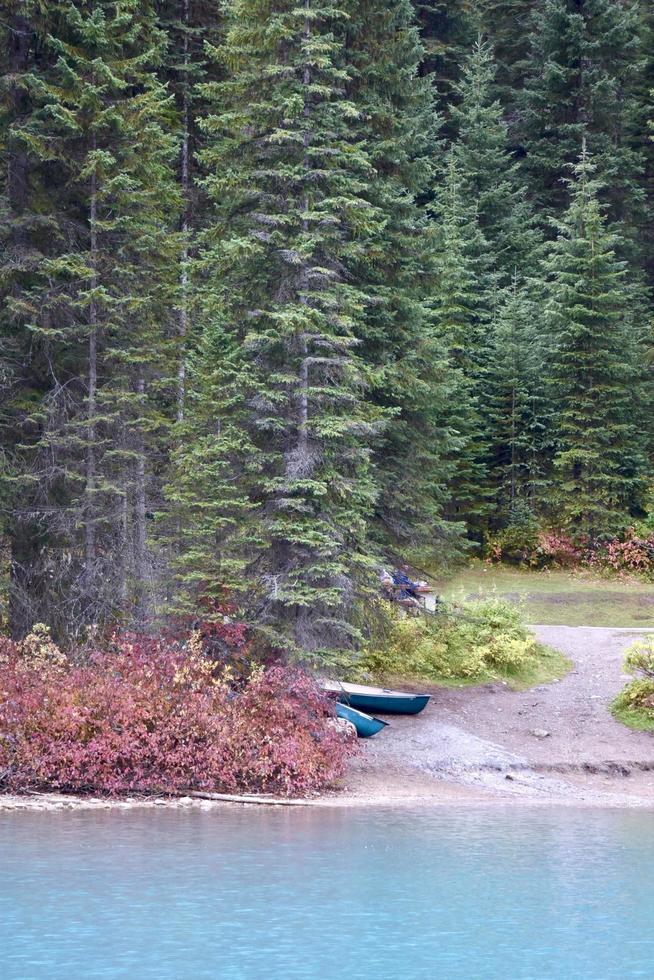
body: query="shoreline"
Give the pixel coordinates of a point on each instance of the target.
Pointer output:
(556, 744)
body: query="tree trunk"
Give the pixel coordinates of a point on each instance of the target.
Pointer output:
(90, 535)
(185, 182)
(140, 511)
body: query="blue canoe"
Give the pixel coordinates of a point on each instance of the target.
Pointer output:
(364, 724)
(377, 699)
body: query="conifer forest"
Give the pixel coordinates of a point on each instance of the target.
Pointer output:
(291, 289)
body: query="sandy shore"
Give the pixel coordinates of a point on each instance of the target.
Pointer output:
(556, 744)
(553, 744)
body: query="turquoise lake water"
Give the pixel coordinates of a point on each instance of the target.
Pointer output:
(291, 893)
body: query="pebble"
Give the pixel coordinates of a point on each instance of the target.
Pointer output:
(539, 733)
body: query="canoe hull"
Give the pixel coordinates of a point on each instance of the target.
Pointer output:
(365, 725)
(386, 705)
(375, 700)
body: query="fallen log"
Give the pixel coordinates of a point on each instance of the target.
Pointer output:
(235, 798)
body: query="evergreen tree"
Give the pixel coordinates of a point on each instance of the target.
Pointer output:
(596, 370)
(517, 405)
(287, 181)
(447, 29)
(461, 303)
(490, 177)
(97, 312)
(585, 60)
(26, 235)
(506, 24)
(189, 24)
(410, 380)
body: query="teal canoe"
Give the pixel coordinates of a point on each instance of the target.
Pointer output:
(376, 699)
(364, 724)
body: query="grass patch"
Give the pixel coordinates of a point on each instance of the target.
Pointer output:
(637, 718)
(557, 598)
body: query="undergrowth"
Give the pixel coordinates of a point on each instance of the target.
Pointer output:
(634, 705)
(471, 643)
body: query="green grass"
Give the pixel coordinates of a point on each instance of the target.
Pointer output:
(638, 718)
(558, 598)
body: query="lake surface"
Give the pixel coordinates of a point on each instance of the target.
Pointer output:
(236, 894)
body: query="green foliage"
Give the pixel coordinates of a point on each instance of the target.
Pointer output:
(276, 306)
(473, 642)
(91, 318)
(634, 705)
(286, 171)
(407, 360)
(519, 407)
(492, 183)
(518, 541)
(596, 371)
(584, 68)
(640, 657)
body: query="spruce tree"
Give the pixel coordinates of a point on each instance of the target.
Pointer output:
(506, 24)
(461, 304)
(596, 370)
(490, 176)
(410, 377)
(447, 29)
(586, 61)
(517, 404)
(189, 25)
(287, 179)
(98, 312)
(27, 234)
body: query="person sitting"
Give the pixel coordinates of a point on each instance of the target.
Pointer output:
(405, 589)
(401, 578)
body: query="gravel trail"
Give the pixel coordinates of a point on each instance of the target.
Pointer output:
(553, 743)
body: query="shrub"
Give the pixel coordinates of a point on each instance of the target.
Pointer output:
(477, 640)
(629, 555)
(517, 541)
(634, 705)
(640, 657)
(148, 715)
(555, 549)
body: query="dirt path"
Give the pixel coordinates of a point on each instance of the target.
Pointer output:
(554, 743)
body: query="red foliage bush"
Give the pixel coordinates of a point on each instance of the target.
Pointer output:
(150, 715)
(631, 555)
(558, 549)
(626, 555)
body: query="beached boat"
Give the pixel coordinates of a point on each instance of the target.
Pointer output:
(364, 724)
(376, 698)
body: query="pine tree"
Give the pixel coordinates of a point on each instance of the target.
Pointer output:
(26, 235)
(188, 24)
(447, 29)
(410, 378)
(286, 179)
(98, 311)
(506, 24)
(491, 179)
(517, 405)
(461, 303)
(585, 60)
(596, 370)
